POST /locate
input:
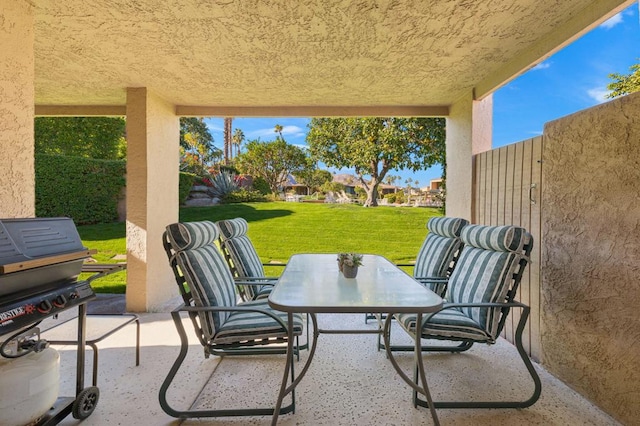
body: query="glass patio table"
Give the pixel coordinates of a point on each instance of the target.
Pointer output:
(312, 284)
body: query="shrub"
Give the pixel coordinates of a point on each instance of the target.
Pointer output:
(83, 189)
(184, 187)
(332, 187)
(243, 195)
(391, 198)
(273, 197)
(223, 184)
(261, 185)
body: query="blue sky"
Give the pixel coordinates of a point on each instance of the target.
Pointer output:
(573, 79)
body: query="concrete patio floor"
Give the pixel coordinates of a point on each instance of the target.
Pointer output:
(349, 382)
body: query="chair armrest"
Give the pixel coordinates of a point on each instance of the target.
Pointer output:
(245, 280)
(476, 305)
(237, 308)
(255, 283)
(431, 279)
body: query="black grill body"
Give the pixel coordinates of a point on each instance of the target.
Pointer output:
(40, 261)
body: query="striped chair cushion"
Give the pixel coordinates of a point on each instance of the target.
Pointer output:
(497, 238)
(243, 254)
(449, 227)
(204, 269)
(242, 326)
(191, 235)
(449, 323)
(233, 227)
(439, 248)
(485, 270)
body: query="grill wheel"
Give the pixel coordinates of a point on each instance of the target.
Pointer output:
(85, 402)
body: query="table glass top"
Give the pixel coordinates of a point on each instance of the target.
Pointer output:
(313, 283)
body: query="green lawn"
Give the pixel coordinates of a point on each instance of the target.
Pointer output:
(281, 229)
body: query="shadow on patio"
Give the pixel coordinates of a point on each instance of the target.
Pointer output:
(348, 383)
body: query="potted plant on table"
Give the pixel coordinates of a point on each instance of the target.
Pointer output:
(348, 264)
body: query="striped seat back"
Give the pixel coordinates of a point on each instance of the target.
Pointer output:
(204, 270)
(490, 265)
(436, 256)
(239, 250)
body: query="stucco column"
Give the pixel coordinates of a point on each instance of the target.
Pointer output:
(469, 132)
(153, 134)
(17, 99)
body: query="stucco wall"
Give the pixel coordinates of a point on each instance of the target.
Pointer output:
(468, 132)
(17, 192)
(153, 132)
(591, 254)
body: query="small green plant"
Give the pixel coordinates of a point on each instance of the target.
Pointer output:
(349, 259)
(243, 195)
(224, 183)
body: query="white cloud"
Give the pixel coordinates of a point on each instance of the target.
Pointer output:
(541, 66)
(598, 94)
(612, 22)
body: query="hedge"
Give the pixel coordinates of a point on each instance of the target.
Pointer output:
(184, 188)
(83, 189)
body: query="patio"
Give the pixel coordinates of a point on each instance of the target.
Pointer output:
(128, 59)
(348, 383)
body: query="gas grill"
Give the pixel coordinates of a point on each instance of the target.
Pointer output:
(40, 261)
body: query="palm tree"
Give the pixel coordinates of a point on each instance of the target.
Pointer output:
(278, 130)
(227, 139)
(238, 138)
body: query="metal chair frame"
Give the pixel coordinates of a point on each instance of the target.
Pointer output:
(466, 344)
(245, 347)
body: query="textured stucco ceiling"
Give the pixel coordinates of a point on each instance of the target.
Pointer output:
(284, 53)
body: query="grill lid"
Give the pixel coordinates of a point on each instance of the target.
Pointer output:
(35, 242)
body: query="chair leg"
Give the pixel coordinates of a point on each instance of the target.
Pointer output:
(183, 414)
(502, 404)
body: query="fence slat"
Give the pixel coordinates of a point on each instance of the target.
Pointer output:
(503, 186)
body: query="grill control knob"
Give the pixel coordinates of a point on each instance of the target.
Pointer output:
(44, 307)
(60, 301)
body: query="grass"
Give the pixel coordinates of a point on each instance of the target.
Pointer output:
(281, 229)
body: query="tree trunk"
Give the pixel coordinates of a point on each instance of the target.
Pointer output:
(228, 149)
(372, 194)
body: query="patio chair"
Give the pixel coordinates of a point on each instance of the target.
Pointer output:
(437, 255)
(223, 326)
(243, 260)
(480, 295)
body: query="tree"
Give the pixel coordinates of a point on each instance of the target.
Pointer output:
(227, 139)
(374, 146)
(624, 84)
(197, 151)
(278, 129)
(312, 177)
(89, 137)
(391, 179)
(238, 139)
(273, 161)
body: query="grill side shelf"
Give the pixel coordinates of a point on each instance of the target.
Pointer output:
(35, 263)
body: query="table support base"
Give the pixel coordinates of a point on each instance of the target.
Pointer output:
(284, 390)
(424, 389)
